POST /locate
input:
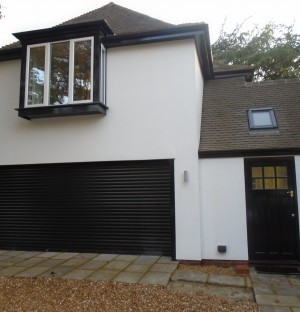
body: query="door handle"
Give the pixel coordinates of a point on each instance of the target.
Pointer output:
(293, 215)
(291, 193)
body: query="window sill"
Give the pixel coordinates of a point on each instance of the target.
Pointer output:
(62, 110)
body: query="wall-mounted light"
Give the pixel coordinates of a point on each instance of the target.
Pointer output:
(185, 176)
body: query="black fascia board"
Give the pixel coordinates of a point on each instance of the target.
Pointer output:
(10, 54)
(197, 32)
(64, 32)
(247, 72)
(249, 153)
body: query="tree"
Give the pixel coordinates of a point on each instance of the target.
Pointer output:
(274, 50)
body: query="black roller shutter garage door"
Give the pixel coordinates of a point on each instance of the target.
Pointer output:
(112, 207)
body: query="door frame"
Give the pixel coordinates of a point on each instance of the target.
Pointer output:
(247, 163)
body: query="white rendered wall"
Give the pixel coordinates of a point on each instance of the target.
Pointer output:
(223, 208)
(154, 95)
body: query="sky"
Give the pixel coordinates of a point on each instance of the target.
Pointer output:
(24, 15)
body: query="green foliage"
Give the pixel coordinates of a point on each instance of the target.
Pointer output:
(274, 50)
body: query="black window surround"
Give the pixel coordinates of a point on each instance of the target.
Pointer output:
(97, 30)
(262, 118)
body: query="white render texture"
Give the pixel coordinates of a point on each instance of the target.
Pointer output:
(154, 95)
(223, 208)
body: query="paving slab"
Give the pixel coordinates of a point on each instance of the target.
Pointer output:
(189, 276)
(103, 275)
(237, 293)
(86, 255)
(49, 254)
(5, 257)
(274, 309)
(163, 267)
(275, 300)
(117, 265)
(11, 271)
(66, 255)
(128, 277)
(287, 291)
(106, 257)
(296, 309)
(225, 280)
(294, 280)
(146, 259)
(30, 262)
(32, 272)
(167, 260)
(127, 257)
(29, 254)
(51, 262)
(155, 278)
(93, 265)
(58, 271)
(138, 268)
(78, 274)
(263, 289)
(10, 261)
(13, 253)
(74, 262)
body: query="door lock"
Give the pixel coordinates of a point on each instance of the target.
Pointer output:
(291, 193)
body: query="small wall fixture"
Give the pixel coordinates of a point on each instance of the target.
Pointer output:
(185, 176)
(222, 248)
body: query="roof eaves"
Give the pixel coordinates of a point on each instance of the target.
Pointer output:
(10, 54)
(248, 73)
(198, 32)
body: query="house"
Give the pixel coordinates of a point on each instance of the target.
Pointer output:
(100, 123)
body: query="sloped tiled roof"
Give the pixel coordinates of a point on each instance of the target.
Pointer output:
(121, 20)
(225, 127)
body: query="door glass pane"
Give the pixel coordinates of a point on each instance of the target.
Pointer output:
(257, 184)
(257, 172)
(82, 70)
(269, 172)
(282, 183)
(59, 73)
(269, 183)
(36, 77)
(281, 171)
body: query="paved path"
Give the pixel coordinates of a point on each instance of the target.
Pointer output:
(272, 292)
(276, 293)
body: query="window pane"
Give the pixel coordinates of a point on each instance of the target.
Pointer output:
(269, 172)
(256, 172)
(281, 171)
(269, 184)
(257, 184)
(282, 183)
(36, 76)
(59, 73)
(262, 118)
(82, 70)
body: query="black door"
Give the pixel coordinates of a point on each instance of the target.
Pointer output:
(112, 207)
(272, 214)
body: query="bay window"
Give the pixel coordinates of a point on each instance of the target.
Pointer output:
(59, 73)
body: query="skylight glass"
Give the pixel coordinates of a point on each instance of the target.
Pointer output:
(262, 118)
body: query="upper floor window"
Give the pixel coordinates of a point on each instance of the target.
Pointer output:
(63, 71)
(59, 73)
(263, 118)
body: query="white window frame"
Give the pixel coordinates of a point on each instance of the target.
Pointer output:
(47, 72)
(102, 87)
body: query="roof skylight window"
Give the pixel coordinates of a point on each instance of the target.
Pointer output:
(263, 118)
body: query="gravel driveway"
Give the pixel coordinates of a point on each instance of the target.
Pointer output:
(43, 294)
